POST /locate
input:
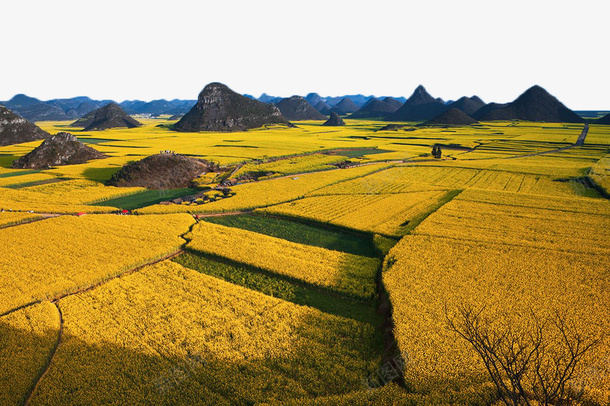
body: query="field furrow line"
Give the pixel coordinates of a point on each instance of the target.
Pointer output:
(46, 368)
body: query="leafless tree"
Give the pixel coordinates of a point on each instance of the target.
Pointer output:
(533, 362)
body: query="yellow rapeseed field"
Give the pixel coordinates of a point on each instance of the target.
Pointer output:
(170, 335)
(426, 177)
(12, 218)
(80, 191)
(349, 274)
(544, 256)
(307, 163)
(462, 219)
(71, 196)
(600, 173)
(25, 178)
(264, 193)
(48, 258)
(386, 214)
(518, 230)
(27, 338)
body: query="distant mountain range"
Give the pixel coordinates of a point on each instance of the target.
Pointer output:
(33, 109)
(534, 105)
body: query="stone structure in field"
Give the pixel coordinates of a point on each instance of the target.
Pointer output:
(535, 104)
(297, 108)
(419, 107)
(451, 117)
(221, 109)
(162, 171)
(109, 116)
(16, 130)
(60, 149)
(334, 120)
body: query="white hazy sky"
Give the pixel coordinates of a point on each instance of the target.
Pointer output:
(170, 49)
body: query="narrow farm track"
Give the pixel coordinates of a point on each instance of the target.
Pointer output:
(583, 135)
(43, 373)
(579, 143)
(87, 288)
(45, 216)
(223, 214)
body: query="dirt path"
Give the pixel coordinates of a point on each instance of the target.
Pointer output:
(583, 135)
(579, 143)
(51, 356)
(42, 217)
(223, 214)
(87, 288)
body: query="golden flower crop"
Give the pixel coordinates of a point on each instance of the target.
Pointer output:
(79, 191)
(71, 196)
(529, 226)
(25, 178)
(264, 193)
(387, 214)
(300, 164)
(349, 274)
(512, 259)
(12, 218)
(167, 334)
(47, 258)
(27, 337)
(600, 173)
(446, 176)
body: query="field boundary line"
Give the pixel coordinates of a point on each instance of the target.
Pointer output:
(87, 288)
(40, 218)
(287, 278)
(51, 357)
(120, 275)
(507, 244)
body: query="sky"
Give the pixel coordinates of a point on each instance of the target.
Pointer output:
(131, 49)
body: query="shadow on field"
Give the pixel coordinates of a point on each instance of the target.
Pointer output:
(297, 292)
(6, 160)
(327, 356)
(100, 174)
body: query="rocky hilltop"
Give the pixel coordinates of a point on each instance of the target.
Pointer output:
(109, 116)
(345, 106)
(603, 120)
(535, 104)
(15, 129)
(161, 171)
(394, 102)
(375, 108)
(61, 149)
(334, 120)
(468, 105)
(219, 108)
(451, 117)
(322, 107)
(297, 108)
(419, 107)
